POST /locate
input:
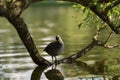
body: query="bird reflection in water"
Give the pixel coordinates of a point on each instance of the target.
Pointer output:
(51, 74)
(54, 74)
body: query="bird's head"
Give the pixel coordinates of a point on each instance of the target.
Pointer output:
(58, 38)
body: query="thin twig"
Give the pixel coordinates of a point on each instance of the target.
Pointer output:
(108, 38)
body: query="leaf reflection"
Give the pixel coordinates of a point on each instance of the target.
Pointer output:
(36, 74)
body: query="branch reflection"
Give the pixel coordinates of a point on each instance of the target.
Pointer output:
(36, 74)
(98, 69)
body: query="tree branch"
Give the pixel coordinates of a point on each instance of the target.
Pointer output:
(2, 7)
(26, 38)
(101, 14)
(79, 53)
(112, 6)
(105, 18)
(94, 43)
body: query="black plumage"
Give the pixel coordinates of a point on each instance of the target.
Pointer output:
(55, 48)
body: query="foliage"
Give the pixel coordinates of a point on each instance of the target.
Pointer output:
(93, 20)
(114, 15)
(90, 19)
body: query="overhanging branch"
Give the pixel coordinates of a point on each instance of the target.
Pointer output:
(101, 14)
(112, 6)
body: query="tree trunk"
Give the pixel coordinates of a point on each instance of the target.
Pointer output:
(26, 38)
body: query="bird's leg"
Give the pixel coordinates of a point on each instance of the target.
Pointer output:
(52, 63)
(52, 59)
(55, 59)
(56, 63)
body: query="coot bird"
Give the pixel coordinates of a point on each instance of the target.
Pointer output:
(55, 48)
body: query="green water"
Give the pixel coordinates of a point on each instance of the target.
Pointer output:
(44, 22)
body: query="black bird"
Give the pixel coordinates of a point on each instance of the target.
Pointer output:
(55, 48)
